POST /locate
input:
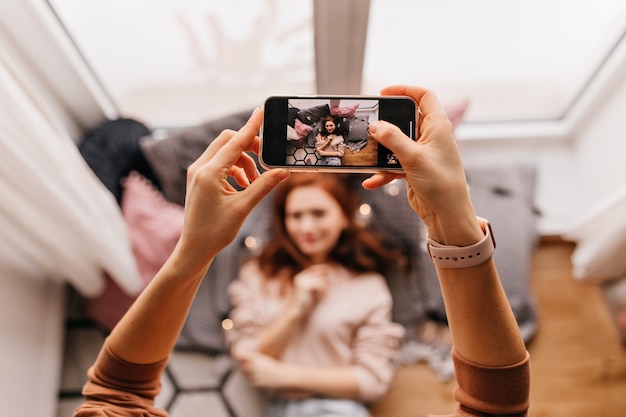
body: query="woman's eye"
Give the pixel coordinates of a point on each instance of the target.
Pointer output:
(319, 213)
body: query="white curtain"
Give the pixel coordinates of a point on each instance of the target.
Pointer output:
(57, 221)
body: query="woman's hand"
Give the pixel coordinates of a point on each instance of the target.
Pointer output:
(214, 210)
(436, 184)
(310, 286)
(480, 318)
(263, 371)
(289, 380)
(322, 143)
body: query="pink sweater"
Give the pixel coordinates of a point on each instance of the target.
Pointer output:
(350, 326)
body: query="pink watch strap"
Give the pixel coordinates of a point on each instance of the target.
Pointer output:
(450, 256)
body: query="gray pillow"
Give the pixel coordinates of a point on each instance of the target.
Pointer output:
(170, 157)
(313, 114)
(358, 128)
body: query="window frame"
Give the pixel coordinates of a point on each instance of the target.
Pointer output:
(51, 57)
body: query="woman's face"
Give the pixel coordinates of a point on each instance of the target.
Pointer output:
(330, 126)
(314, 221)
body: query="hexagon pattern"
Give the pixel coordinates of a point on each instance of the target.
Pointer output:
(301, 155)
(195, 383)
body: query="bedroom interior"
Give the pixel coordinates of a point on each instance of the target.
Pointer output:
(96, 135)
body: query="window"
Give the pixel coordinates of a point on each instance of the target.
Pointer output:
(181, 62)
(514, 60)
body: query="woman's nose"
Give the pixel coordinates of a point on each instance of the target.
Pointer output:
(307, 224)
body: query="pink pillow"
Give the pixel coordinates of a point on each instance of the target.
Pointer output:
(154, 227)
(302, 129)
(292, 134)
(456, 111)
(348, 111)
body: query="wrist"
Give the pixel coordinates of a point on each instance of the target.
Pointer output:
(295, 312)
(452, 219)
(186, 268)
(463, 256)
(458, 229)
(289, 376)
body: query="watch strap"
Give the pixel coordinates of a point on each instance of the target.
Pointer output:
(450, 256)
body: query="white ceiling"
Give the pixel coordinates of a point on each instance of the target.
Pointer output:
(179, 62)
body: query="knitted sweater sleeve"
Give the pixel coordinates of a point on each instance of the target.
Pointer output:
(376, 342)
(117, 387)
(494, 391)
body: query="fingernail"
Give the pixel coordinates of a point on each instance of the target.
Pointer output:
(373, 126)
(282, 174)
(255, 111)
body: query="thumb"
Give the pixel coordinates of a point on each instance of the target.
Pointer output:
(393, 138)
(240, 355)
(264, 184)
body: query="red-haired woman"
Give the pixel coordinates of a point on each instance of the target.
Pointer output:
(312, 313)
(329, 143)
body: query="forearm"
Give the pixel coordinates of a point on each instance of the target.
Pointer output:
(482, 324)
(481, 321)
(322, 152)
(273, 338)
(148, 331)
(330, 382)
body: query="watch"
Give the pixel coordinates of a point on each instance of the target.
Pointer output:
(450, 256)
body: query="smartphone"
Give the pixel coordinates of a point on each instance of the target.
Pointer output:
(330, 133)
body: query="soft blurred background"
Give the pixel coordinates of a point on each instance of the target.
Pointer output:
(92, 90)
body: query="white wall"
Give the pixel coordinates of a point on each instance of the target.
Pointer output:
(600, 148)
(581, 159)
(576, 173)
(32, 317)
(556, 196)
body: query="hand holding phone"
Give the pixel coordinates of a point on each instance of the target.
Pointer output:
(330, 133)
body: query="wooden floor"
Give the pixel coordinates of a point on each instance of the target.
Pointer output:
(578, 360)
(367, 156)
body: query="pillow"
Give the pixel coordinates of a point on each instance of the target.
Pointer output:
(292, 134)
(112, 150)
(600, 258)
(316, 128)
(358, 128)
(343, 125)
(313, 114)
(600, 240)
(456, 111)
(348, 111)
(170, 157)
(302, 129)
(154, 227)
(292, 114)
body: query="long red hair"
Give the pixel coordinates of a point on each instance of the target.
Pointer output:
(358, 249)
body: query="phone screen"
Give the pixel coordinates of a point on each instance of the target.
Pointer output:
(331, 133)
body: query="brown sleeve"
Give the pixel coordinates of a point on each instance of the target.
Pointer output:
(120, 387)
(494, 391)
